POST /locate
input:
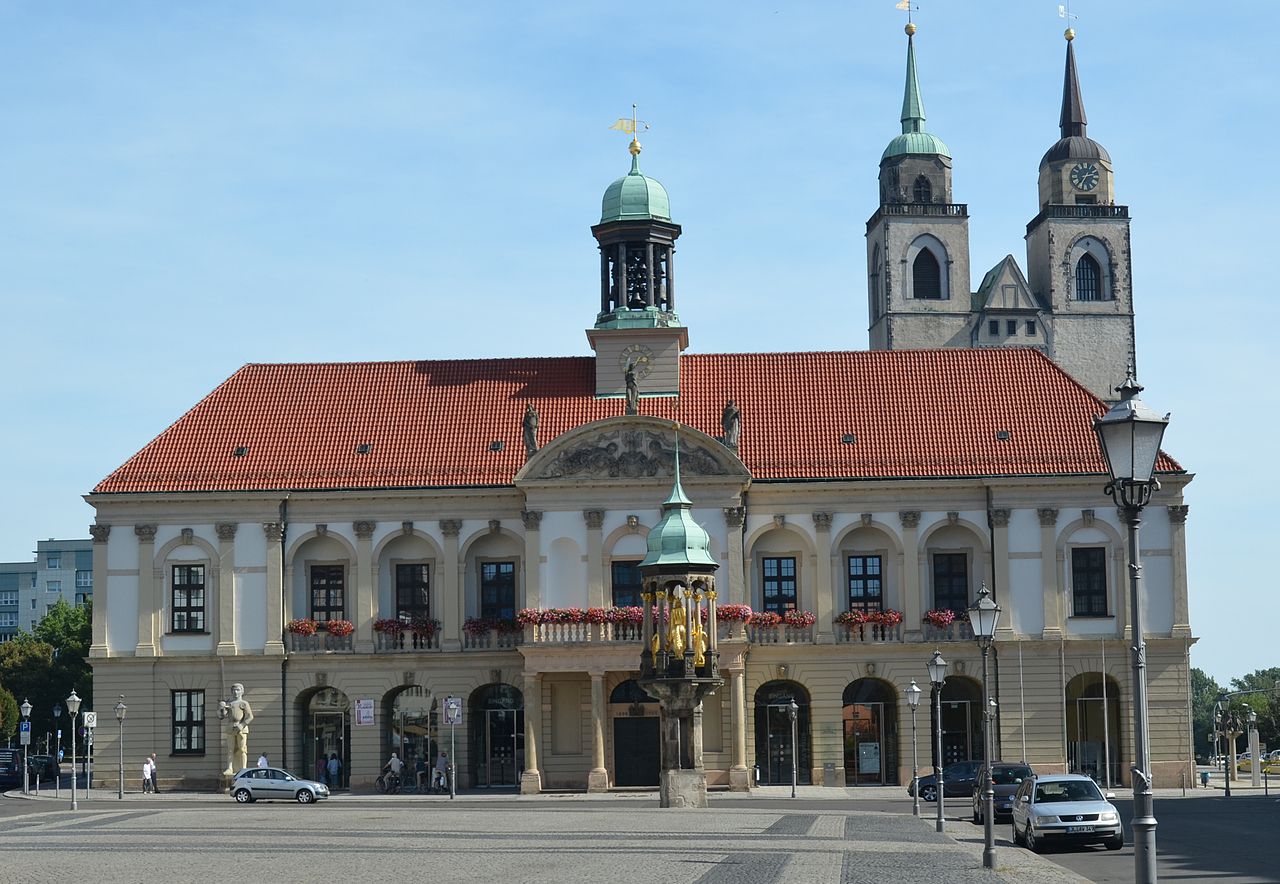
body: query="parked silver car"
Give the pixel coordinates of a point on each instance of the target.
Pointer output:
(1064, 809)
(257, 783)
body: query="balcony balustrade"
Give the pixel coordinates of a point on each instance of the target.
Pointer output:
(956, 631)
(491, 640)
(405, 642)
(582, 633)
(782, 634)
(318, 643)
(868, 633)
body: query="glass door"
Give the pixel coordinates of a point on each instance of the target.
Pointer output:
(329, 742)
(502, 749)
(864, 741)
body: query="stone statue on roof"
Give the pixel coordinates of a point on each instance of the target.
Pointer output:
(529, 428)
(731, 423)
(633, 390)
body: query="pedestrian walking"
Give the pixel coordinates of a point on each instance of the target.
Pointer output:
(146, 776)
(155, 775)
(333, 770)
(442, 765)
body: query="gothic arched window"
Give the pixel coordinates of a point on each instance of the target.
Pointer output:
(1088, 279)
(922, 192)
(926, 276)
(874, 283)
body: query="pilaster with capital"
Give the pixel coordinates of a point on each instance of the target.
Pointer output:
(226, 646)
(532, 558)
(598, 777)
(366, 596)
(999, 518)
(595, 558)
(531, 778)
(451, 606)
(1050, 573)
(736, 589)
(1178, 544)
(912, 612)
(823, 579)
(149, 602)
(276, 608)
(100, 533)
(739, 776)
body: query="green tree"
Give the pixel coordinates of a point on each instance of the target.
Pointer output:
(1266, 705)
(1204, 693)
(9, 715)
(46, 666)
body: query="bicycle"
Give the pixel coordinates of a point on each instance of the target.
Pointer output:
(387, 783)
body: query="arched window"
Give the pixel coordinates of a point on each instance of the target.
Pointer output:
(874, 283)
(926, 276)
(1088, 279)
(922, 192)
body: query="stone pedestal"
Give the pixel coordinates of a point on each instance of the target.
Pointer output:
(683, 788)
(683, 780)
(598, 781)
(530, 782)
(739, 780)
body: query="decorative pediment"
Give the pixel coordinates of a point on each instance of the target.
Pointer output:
(1004, 289)
(632, 447)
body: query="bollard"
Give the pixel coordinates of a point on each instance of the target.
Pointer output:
(1265, 790)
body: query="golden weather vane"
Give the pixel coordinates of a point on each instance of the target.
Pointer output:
(631, 126)
(906, 6)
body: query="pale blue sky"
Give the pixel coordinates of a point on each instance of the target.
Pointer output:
(189, 187)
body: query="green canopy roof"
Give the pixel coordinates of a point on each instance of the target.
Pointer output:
(635, 197)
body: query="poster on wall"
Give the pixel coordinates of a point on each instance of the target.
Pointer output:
(869, 758)
(364, 712)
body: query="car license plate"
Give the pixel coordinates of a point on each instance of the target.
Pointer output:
(1076, 830)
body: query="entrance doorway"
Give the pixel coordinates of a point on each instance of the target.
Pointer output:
(870, 733)
(1093, 727)
(775, 754)
(497, 737)
(961, 720)
(326, 736)
(637, 747)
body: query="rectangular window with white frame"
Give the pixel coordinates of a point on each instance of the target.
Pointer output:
(413, 591)
(188, 598)
(84, 580)
(951, 583)
(866, 584)
(9, 618)
(778, 583)
(328, 593)
(53, 561)
(1089, 581)
(188, 722)
(53, 586)
(498, 590)
(9, 597)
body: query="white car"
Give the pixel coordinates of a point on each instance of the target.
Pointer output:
(258, 783)
(1064, 809)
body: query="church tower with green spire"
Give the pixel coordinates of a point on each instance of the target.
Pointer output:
(1078, 251)
(918, 240)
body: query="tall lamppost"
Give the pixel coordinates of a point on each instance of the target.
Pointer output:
(1229, 724)
(913, 700)
(1129, 435)
(120, 711)
(937, 677)
(983, 616)
(57, 750)
(792, 711)
(73, 709)
(25, 708)
(1255, 750)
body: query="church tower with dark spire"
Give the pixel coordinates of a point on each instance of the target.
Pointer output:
(918, 239)
(1078, 257)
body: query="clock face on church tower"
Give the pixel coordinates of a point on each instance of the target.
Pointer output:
(1084, 176)
(637, 357)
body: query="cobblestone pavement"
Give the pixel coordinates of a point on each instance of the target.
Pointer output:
(564, 840)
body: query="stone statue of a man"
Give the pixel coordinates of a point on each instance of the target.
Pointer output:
(731, 424)
(633, 389)
(238, 714)
(529, 430)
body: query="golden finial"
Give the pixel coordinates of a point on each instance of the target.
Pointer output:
(910, 29)
(632, 128)
(1070, 34)
(634, 148)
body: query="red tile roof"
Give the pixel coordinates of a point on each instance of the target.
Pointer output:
(917, 413)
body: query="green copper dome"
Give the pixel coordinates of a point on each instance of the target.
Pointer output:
(677, 539)
(914, 140)
(634, 197)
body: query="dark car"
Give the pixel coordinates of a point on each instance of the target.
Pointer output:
(957, 781)
(1005, 780)
(44, 767)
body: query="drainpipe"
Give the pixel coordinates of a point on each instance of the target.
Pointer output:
(284, 661)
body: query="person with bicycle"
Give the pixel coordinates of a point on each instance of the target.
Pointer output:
(393, 766)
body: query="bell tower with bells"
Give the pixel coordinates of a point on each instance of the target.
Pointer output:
(680, 661)
(637, 327)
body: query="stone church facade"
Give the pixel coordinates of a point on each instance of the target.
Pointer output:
(355, 543)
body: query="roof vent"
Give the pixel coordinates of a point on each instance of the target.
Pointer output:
(848, 439)
(497, 445)
(364, 448)
(240, 451)
(1003, 435)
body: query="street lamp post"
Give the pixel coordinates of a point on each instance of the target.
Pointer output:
(57, 750)
(1129, 435)
(25, 708)
(913, 700)
(937, 677)
(1255, 750)
(983, 616)
(792, 711)
(73, 709)
(120, 711)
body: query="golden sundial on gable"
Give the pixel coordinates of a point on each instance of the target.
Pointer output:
(637, 356)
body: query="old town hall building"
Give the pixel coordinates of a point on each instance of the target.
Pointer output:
(356, 542)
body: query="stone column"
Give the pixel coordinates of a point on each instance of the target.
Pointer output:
(912, 612)
(366, 598)
(1050, 571)
(1003, 590)
(532, 559)
(226, 588)
(595, 559)
(451, 604)
(276, 589)
(531, 779)
(739, 774)
(149, 607)
(99, 646)
(733, 519)
(1178, 545)
(1120, 582)
(598, 778)
(822, 579)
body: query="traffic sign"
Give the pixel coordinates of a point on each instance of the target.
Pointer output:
(452, 710)
(91, 720)
(24, 735)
